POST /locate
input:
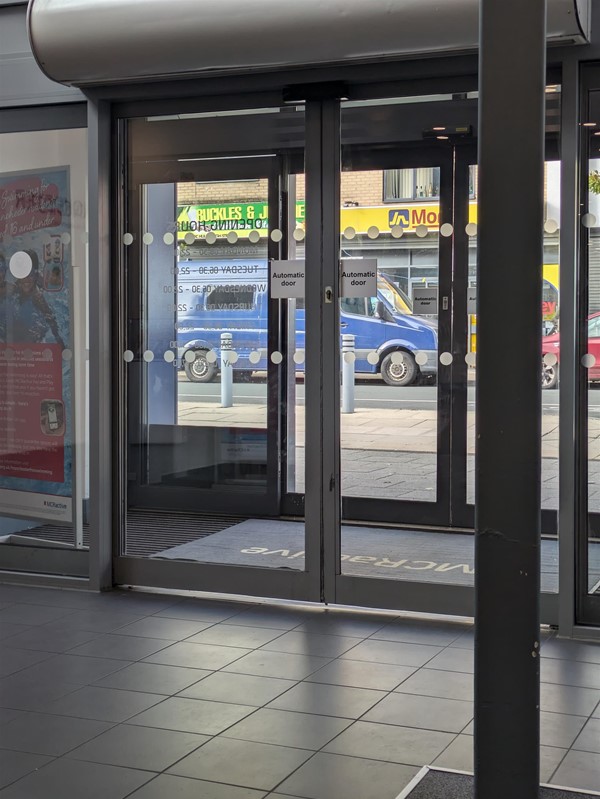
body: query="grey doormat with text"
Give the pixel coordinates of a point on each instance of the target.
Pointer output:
(450, 785)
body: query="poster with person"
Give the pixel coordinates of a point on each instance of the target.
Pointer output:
(36, 451)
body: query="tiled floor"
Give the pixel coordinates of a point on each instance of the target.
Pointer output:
(149, 696)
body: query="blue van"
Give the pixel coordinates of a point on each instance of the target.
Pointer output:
(231, 296)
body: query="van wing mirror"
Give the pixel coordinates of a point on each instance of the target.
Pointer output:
(380, 310)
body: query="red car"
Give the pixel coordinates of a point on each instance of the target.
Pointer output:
(551, 346)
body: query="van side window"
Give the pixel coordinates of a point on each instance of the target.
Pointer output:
(231, 298)
(354, 305)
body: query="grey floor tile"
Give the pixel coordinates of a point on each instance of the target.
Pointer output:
(165, 628)
(235, 635)
(69, 778)
(121, 647)
(241, 689)
(32, 614)
(454, 659)
(303, 643)
(201, 611)
(139, 747)
(44, 734)
(14, 660)
(418, 632)
(8, 630)
(102, 704)
(362, 674)
(166, 785)
(327, 700)
(571, 650)
(570, 672)
(97, 621)
(458, 756)
(7, 715)
(466, 640)
(197, 656)
(345, 624)
(559, 730)
(47, 640)
(589, 740)
(550, 758)
(327, 775)
(397, 654)
(568, 700)
(272, 617)
(277, 664)
(246, 763)
(14, 765)
(390, 743)
(443, 684)
(284, 727)
(192, 715)
(425, 712)
(153, 678)
(74, 669)
(579, 770)
(23, 693)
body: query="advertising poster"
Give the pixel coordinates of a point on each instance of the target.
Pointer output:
(36, 451)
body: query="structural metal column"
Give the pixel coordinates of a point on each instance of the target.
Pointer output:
(508, 428)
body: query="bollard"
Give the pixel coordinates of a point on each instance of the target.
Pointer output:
(348, 358)
(226, 370)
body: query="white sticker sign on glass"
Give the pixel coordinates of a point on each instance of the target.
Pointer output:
(472, 300)
(287, 279)
(358, 277)
(425, 300)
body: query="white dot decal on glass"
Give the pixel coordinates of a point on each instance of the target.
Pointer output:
(276, 235)
(254, 236)
(397, 357)
(446, 358)
(211, 356)
(299, 356)
(67, 355)
(189, 238)
(147, 238)
(276, 357)
(65, 238)
(169, 356)
(175, 270)
(471, 358)
(233, 357)
(168, 238)
(254, 357)
(446, 230)
(232, 237)
(20, 265)
(210, 237)
(349, 233)
(588, 220)
(373, 232)
(127, 239)
(550, 359)
(471, 229)
(349, 357)
(128, 356)
(421, 358)
(148, 356)
(299, 234)
(189, 356)
(373, 358)
(47, 355)
(397, 231)
(551, 226)
(421, 231)
(588, 361)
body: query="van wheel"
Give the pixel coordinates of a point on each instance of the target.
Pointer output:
(549, 375)
(200, 370)
(402, 373)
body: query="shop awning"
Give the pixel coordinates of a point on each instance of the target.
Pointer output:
(88, 42)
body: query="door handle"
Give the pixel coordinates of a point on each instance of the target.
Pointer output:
(343, 324)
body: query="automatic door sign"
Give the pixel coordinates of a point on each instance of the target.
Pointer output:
(287, 279)
(359, 277)
(425, 300)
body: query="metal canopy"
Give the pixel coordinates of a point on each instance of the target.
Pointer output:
(87, 42)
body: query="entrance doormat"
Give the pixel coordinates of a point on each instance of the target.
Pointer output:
(435, 784)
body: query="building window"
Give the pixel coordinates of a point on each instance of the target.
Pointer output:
(411, 184)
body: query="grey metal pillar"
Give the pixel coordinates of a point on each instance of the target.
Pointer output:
(507, 504)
